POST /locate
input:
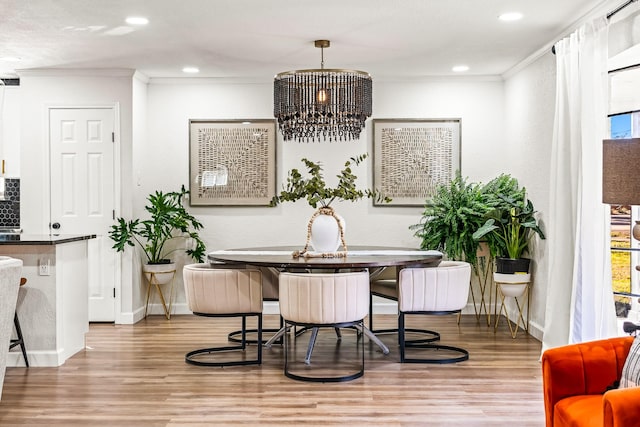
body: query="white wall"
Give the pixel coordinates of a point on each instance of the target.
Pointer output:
(526, 153)
(132, 287)
(41, 89)
(496, 118)
(163, 164)
(47, 88)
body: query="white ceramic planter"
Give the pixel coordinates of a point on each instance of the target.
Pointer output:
(512, 285)
(512, 289)
(162, 273)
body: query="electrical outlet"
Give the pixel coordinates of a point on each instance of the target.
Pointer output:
(43, 267)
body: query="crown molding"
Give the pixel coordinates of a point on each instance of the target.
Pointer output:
(76, 72)
(597, 11)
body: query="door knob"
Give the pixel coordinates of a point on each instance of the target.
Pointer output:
(55, 225)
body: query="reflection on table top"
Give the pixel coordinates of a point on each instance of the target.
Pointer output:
(361, 257)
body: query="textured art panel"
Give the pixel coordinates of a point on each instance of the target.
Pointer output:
(232, 162)
(413, 157)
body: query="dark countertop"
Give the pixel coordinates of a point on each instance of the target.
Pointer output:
(42, 239)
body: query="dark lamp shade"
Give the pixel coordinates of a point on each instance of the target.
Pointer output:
(620, 177)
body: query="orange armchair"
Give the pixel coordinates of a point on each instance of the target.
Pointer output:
(575, 381)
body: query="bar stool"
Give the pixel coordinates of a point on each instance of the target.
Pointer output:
(19, 340)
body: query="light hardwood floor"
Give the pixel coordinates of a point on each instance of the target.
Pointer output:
(135, 375)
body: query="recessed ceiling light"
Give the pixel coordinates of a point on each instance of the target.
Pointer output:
(460, 68)
(510, 16)
(137, 20)
(10, 59)
(191, 70)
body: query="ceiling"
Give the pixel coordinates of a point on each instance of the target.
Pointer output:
(255, 39)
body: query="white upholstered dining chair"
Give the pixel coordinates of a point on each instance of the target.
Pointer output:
(338, 300)
(226, 292)
(436, 291)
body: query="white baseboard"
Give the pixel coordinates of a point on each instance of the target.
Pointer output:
(39, 358)
(380, 306)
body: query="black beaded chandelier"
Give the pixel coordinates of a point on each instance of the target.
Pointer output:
(322, 103)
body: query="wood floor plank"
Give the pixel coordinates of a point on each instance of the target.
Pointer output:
(136, 375)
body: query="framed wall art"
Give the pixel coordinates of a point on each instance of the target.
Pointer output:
(411, 157)
(232, 162)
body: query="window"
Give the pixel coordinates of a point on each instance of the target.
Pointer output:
(625, 283)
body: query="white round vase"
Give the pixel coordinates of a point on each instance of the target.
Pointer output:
(325, 233)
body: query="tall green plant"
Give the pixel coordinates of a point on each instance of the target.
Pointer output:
(169, 221)
(449, 220)
(511, 223)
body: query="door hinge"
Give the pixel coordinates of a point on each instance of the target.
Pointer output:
(113, 214)
(113, 137)
(114, 292)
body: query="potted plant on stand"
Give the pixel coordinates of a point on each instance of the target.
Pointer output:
(509, 228)
(326, 228)
(159, 236)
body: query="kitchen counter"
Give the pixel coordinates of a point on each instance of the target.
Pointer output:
(42, 239)
(53, 306)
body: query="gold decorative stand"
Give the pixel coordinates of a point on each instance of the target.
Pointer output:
(516, 286)
(483, 270)
(155, 279)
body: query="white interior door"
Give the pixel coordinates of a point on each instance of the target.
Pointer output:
(82, 193)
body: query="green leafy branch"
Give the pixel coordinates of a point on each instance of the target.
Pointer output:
(314, 188)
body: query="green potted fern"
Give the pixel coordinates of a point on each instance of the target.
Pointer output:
(451, 217)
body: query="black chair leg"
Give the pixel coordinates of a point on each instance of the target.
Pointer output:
(20, 340)
(233, 336)
(456, 354)
(300, 377)
(193, 359)
(430, 336)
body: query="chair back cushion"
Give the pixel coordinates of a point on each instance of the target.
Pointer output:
(222, 291)
(441, 288)
(324, 298)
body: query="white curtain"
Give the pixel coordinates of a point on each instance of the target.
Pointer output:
(580, 303)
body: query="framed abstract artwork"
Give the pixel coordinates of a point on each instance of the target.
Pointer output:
(232, 162)
(412, 157)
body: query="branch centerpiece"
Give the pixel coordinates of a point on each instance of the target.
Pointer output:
(326, 229)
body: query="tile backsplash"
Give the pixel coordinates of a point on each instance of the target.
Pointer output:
(10, 207)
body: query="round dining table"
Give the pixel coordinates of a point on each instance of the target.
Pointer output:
(281, 257)
(374, 258)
